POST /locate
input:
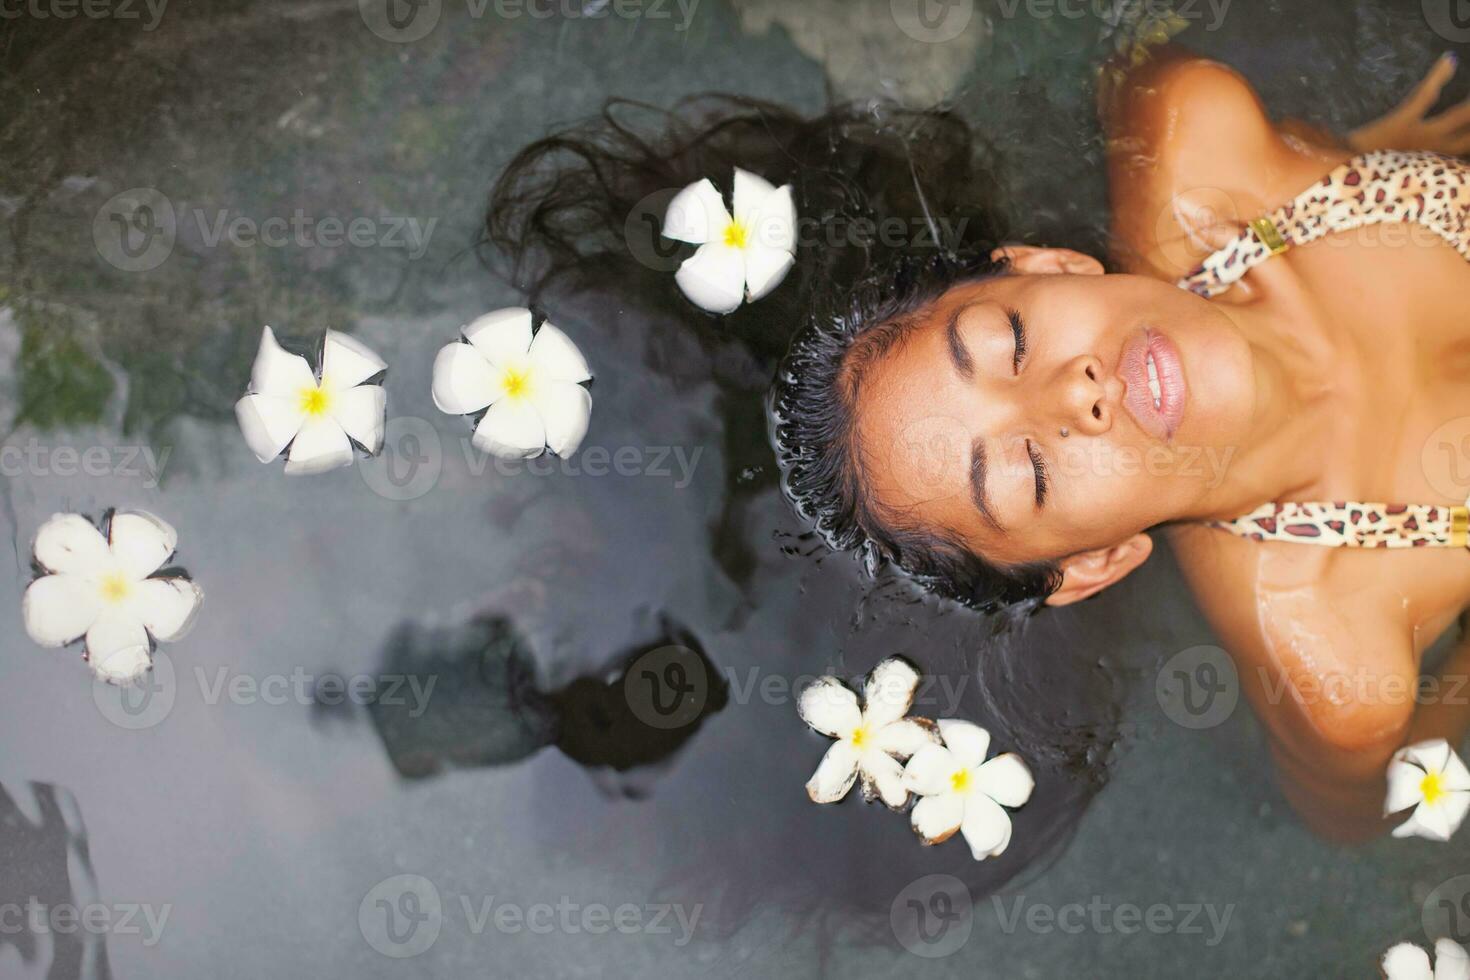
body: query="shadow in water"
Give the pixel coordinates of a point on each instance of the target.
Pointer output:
(48, 868)
(470, 699)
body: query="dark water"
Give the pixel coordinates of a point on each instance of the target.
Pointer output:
(273, 817)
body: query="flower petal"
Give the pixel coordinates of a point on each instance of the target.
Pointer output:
(1405, 961)
(362, 414)
(59, 608)
(140, 542)
(1430, 755)
(122, 666)
(167, 606)
(882, 777)
(968, 742)
(1451, 962)
(502, 335)
(772, 224)
(347, 362)
(320, 446)
(889, 691)
(116, 644)
(269, 423)
(553, 352)
(71, 544)
(751, 191)
(1453, 807)
(1428, 822)
(565, 409)
(1405, 782)
(835, 774)
(906, 736)
(987, 828)
(714, 277)
(936, 818)
(1005, 779)
(695, 214)
(464, 381)
(512, 429)
(830, 707)
(1455, 775)
(764, 270)
(277, 372)
(930, 770)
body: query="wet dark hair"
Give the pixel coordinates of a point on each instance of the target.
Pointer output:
(895, 205)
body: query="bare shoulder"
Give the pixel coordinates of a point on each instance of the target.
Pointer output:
(1191, 147)
(1325, 653)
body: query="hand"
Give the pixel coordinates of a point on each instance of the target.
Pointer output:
(1409, 126)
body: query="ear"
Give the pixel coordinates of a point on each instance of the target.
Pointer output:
(1086, 574)
(1031, 260)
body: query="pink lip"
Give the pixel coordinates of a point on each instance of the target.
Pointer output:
(1161, 422)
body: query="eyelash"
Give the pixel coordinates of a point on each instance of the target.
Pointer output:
(1018, 329)
(1038, 466)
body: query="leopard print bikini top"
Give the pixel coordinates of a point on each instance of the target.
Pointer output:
(1374, 188)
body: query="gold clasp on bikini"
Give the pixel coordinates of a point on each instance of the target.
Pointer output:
(1266, 231)
(1460, 526)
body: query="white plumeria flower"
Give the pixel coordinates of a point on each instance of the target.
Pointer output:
(961, 791)
(319, 418)
(529, 387)
(1430, 777)
(870, 739)
(740, 257)
(104, 588)
(1408, 962)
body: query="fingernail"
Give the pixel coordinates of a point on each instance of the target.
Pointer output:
(1451, 57)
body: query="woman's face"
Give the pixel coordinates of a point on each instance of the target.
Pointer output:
(960, 422)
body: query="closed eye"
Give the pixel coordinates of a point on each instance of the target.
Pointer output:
(1018, 330)
(1038, 467)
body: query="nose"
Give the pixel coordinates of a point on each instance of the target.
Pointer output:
(1081, 396)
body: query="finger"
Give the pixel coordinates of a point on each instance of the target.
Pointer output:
(1453, 118)
(1422, 99)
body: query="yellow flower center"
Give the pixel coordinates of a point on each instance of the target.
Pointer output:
(315, 401)
(959, 781)
(516, 383)
(859, 736)
(735, 235)
(1432, 788)
(114, 587)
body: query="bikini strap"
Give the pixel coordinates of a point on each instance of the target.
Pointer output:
(1356, 525)
(1381, 186)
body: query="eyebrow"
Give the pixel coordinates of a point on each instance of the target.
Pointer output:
(959, 355)
(977, 485)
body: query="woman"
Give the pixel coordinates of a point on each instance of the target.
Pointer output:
(990, 437)
(1007, 423)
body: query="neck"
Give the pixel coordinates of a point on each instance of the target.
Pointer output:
(1283, 453)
